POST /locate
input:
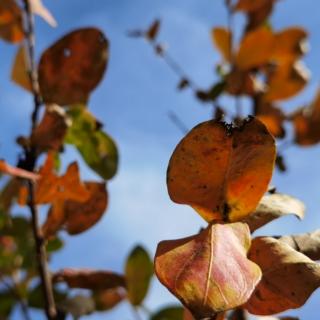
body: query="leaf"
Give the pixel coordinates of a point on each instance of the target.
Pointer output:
(306, 243)
(259, 17)
(250, 5)
(50, 132)
(194, 269)
(108, 299)
(153, 30)
(90, 279)
(38, 8)
(7, 304)
(222, 171)
(96, 147)
(9, 193)
(17, 172)
(54, 244)
(73, 66)
(138, 273)
(285, 81)
(289, 277)
(274, 206)
(77, 306)
(256, 49)
(169, 313)
(222, 38)
(11, 21)
(80, 216)
(306, 123)
(19, 73)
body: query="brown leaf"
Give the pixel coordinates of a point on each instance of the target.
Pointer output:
(90, 279)
(38, 8)
(153, 31)
(250, 5)
(11, 25)
(256, 49)
(289, 277)
(50, 132)
(17, 172)
(194, 269)
(259, 17)
(306, 123)
(221, 171)
(307, 243)
(274, 206)
(277, 318)
(73, 66)
(19, 73)
(108, 299)
(80, 216)
(222, 38)
(9, 193)
(286, 80)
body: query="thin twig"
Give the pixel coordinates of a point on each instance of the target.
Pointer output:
(30, 163)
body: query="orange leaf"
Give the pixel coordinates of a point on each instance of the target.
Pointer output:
(194, 269)
(256, 49)
(108, 299)
(11, 26)
(222, 39)
(89, 279)
(17, 172)
(73, 66)
(250, 5)
(221, 171)
(289, 277)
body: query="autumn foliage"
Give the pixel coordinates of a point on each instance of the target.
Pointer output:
(220, 169)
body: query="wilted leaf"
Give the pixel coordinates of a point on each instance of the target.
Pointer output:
(289, 277)
(50, 132)
(169, 313)
(108, 299)
(138, 272)
(80, 216)
(19, 73)
(17, 172)
(153, 31)
(222, 39)
(274, 206)
(90, 279)
(11, 25)
(38, 8)
(194, 269)
(96, 147)
(286, 80)
(256, 49)
(73, 66)
(222, 171)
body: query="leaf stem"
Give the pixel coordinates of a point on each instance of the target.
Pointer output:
(30, 163)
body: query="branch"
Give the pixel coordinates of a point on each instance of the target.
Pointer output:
(30, 163)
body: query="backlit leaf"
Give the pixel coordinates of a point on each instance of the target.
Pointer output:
(289, 277)
(169, 313)
(250, 5)
(194, 269)
(138, 272)
(274, 206)
(221, 171)
(222, 39)
(73, 66)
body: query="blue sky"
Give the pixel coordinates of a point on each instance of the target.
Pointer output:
(133, 101)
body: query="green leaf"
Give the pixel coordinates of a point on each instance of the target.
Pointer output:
(54, 244)
(7, 302)
(169, 313)
(138, 272)
(95, 146)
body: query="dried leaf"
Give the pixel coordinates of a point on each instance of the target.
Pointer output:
(90, 279)
(17, 172)
(38, 8)
(138, 272)
(260, 16)
(256, 49)
(153, 31)
(108, 299)
(289, 277)
(73, 66)
(221, 171)
(250, 5)
(222, 38)
(50, 132)
(194, 269)
(11, 22)
(274, 206)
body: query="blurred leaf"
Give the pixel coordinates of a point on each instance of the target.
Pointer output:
(222, 38)
(77, 306)
(54, 244)
(73, 66)
(289, 277)
(274, 206)
(19, 73)
(138, 273)
(96, 147)
(194, 269)
(250, 5)
(108, 299)
(11, 21)
(169, 313)
(7, 304)
(9, 194)
(38, 8)
(153, 31)
(220, 170)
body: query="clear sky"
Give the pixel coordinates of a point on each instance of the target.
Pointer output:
(133, 102)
